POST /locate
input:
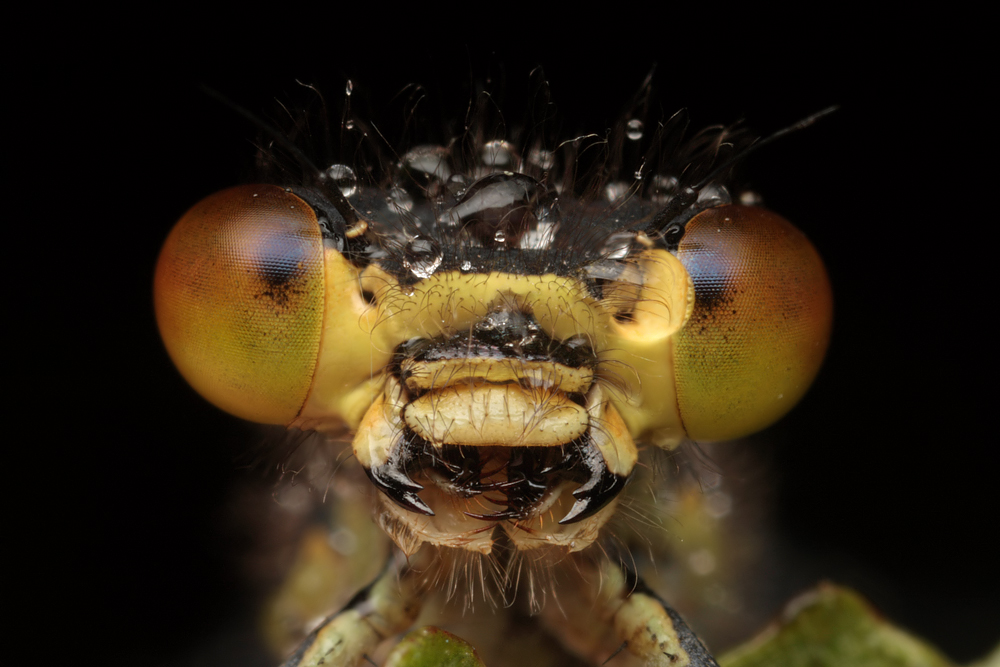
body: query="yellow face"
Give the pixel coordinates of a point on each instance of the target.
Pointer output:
(501, 360)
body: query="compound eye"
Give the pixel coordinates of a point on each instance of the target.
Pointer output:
(760, 326)
(239, 300)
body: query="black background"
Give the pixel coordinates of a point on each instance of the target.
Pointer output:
(885, 475)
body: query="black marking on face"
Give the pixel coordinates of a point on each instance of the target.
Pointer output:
(392, 478)
(503, 334)
(600, 488)
(333, 227)
(517, 478)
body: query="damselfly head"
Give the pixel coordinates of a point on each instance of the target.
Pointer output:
(503, 318)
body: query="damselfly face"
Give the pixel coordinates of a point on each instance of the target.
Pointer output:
(501, 335)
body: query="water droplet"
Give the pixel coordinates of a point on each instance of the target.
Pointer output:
(633, 129)
(427, 167)
(543, 235)
(500, 208)
(541, 158)
(466, 265)
(342, 177)
(603, 269)
(663, 188)
(713, 195)
(618, 245)
(422, 257)
(615, 190)
(548, 211)
(349, 88)
(456, 185)
(751, 198)
(399, 199)
(540, 238)
(499, 154)
(348, 124)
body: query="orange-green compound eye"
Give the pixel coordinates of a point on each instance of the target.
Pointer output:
(760, 326)
(239, 300)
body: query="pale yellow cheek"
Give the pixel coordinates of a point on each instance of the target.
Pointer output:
(353, 352)
(612, 438)
(377, 433)
(639, 358)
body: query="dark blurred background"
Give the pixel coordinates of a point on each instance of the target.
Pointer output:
(884, 476)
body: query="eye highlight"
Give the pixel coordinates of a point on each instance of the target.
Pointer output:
(760, 326)
(239, 300)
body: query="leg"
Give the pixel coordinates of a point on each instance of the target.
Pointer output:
(388, 606)
(607, 614)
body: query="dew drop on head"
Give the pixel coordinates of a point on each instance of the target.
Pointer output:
(499, 154)
(713, 195)
(618, 245)
(663, 188)
(399, 199)
(343, 177)
(633, 129)
(422, 257)
(426, 164)
(615, 190)
(541, 158)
